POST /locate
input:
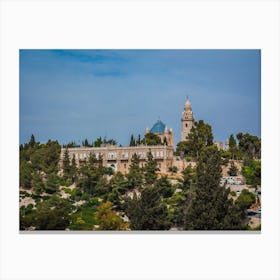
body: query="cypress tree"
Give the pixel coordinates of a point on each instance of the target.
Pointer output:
(210, 209)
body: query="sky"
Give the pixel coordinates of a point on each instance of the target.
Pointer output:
(70, 95)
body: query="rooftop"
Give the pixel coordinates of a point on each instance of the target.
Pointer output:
(158, 127)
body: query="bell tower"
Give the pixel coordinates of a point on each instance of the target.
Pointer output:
(187, 121)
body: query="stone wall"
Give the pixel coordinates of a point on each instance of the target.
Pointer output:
(119, 158)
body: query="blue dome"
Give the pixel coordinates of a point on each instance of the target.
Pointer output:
(158, 127)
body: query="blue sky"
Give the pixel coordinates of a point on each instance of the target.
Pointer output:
(70, 95)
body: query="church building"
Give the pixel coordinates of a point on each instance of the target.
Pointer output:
(119, 158)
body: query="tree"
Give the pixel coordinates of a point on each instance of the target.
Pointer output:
(245, 199)
(37, 183)
(108, 219)
(151, 139)
(134, 176)
(73, 169)
(90, 174)
(147, 211)
(98, 142)
(132, 141)
(249, 145)
(232, 142)
(210, 209)
(32, 141)
(66, 163)
(189, 177)
(199, 137)
(150, 169)
(52, 183)
(164, 187)
(232, 170)
(252, 172)
(138, 142)
(52, 214)
(25, 174)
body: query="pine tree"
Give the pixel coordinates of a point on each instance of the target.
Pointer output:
(32, 141)
(132, 141)
(210, 209)
(150, 169)
(73, 168)
(138, 142)
(147, 211)
(134, 176)
(232, 170)
(66, 163)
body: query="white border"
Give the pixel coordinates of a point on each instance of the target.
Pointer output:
(156, 24)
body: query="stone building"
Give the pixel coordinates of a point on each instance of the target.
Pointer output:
(119, 158)
(187, 121)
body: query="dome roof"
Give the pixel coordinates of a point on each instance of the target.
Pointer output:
(158, 127)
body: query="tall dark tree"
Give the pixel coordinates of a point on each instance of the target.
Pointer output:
(73, 169)
(147, 211)
(32, 141)
(232, 142)
(150, 169)
(138, 142)
(66, 163)
(189, 177)
(232, 170)
(135, 176)
(210, 209)
(98, 142)
(132, 142)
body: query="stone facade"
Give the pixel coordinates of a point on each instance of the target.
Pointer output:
(119, 158)
(187, 121)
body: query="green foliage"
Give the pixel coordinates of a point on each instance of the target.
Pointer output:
(177, 209)
(147, 211)
(245, 199)
(232, 142)
(84, 218)
(164, 187)
(210, 208)
(52, 184)
(92, 176)
(132, 142)
(37, 183)
(232, 170)
(107, 219)
(150, 169)
(151, 139)
(199, 137)
(249, 145)
(52, 214)
(25, 174)
(252, 172)
(98, 142)
(173, 169)
(66, 164)
(189, 177)
(135, 176)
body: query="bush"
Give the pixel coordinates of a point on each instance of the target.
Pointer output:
(233, 193)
